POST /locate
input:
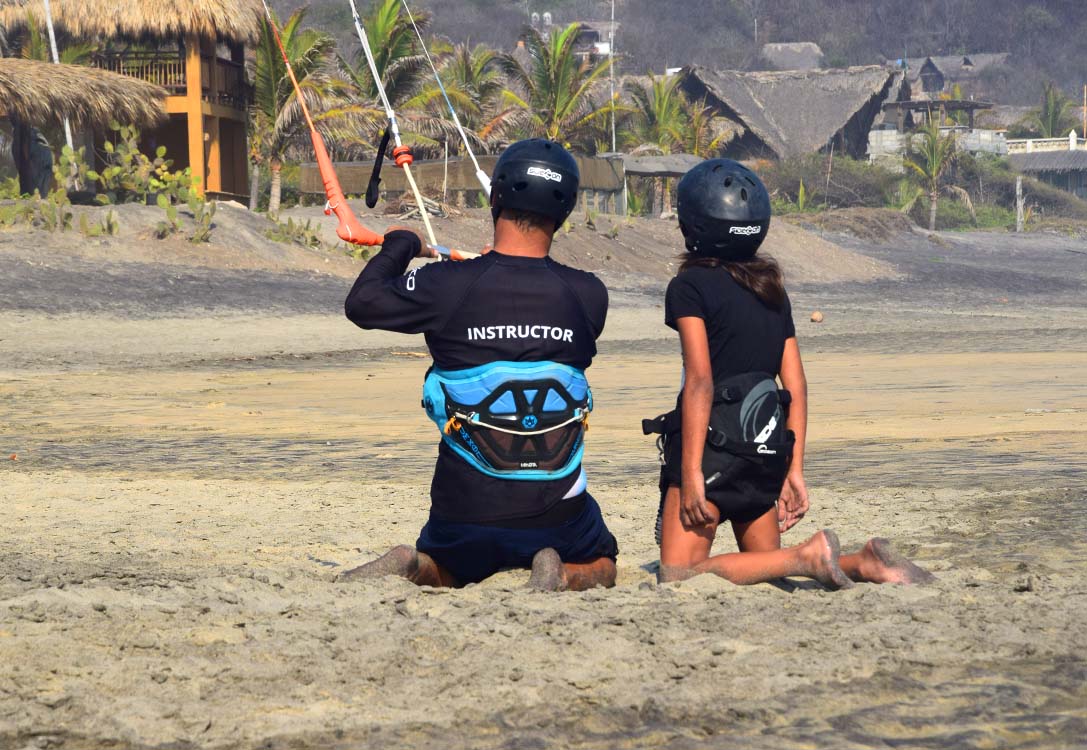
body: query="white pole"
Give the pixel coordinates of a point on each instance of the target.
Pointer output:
(56, 60)
(611, 73)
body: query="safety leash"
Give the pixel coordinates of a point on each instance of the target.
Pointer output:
(484, 179)
(350, 229)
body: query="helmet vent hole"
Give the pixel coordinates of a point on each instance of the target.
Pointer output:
(519, 186)
(728, 182)
(743, 193)
(716, 167)
(558, 196)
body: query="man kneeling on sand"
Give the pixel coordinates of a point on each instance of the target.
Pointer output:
(511, 334)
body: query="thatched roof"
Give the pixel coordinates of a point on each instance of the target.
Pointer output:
(41, 93)
(233, 20)
(793, 112)
(793, 55)
(1050, 161)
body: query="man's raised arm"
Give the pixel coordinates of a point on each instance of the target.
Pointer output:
(384, 298)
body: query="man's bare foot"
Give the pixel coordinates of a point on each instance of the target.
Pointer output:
(879, 563)
(823, 552)
(400, 561)
(548, 573)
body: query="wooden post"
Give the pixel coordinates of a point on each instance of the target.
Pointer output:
(193, 111)
(1020, 213)
(215, 161)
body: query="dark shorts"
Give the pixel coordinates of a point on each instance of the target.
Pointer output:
(746, 494)
(472, 552)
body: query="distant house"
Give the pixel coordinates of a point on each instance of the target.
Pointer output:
(593, 40)
(793, 55)
(1061, 162)
(792, 113)
(931, 76)
(195, 50)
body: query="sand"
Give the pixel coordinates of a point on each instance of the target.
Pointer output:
(191, 477)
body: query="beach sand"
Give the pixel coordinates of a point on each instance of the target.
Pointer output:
(189, 480)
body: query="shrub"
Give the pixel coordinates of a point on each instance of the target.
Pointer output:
(853, 183)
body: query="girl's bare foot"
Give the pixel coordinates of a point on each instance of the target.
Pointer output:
(822, 552)
(548, 573)
(879, 563)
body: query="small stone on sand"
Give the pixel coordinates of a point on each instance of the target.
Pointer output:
(817, 317)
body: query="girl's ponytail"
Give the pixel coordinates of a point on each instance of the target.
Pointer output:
(760, 275)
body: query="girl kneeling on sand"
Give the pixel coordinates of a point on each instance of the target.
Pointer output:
(729, 451)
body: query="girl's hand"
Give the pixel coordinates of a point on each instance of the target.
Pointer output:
(694, 511)
(793, 501)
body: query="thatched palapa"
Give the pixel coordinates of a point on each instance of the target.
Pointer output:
(791, 113)
(41, 93)
(231, 20)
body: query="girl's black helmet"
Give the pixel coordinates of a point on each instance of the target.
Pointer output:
(724, 210)
(536, 175)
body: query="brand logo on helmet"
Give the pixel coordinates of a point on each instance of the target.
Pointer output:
(547, 174)
(745, 230)
(766, 451)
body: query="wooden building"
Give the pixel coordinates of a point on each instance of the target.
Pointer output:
(195, 50)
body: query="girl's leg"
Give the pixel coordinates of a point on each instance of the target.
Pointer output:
(877, 562)
(761, 535)
(681, 549)
(550, 573)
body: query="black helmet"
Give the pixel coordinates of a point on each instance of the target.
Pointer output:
(724, 210)
(536, 175)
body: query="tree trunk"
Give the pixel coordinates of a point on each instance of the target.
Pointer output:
(254, 187)
(932, 198)
(275, 166)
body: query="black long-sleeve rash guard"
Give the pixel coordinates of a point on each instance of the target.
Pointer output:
(489, 309)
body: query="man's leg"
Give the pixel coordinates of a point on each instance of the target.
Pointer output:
(684, 552)
(550, 573)
(406, 562)
(877, 562)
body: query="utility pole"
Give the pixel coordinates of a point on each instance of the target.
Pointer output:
(611, 72)
(56, 60)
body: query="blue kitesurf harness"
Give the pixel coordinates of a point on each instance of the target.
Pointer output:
(512, 420)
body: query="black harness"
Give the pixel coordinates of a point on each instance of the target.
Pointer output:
(747, 424)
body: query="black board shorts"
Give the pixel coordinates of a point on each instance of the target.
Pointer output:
(749, 491)
(472, 552)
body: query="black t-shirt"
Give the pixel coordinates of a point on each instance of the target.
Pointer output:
(493, 308)
(745, 334)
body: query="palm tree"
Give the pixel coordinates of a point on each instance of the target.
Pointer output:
(276, 120)
(554, 96)
(930, 160)
(702, 136)
(474, 81)
(400, 63)
(659, 119)
(36, 46)
(1053, 117)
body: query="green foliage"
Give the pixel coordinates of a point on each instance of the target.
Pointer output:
(172, 224)
(129, 176)
(52, 213)
(9, 188)
(852, 183)
(71, 169)
(108, 225)
(203, 213)
(298, 233)
(635, 203)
